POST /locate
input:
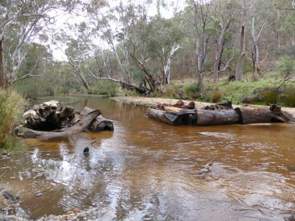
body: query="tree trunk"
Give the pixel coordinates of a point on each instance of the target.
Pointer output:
(167, 65)
(201, 54)
(240, 64)
(255, 50)
(255, 61)
(219, 51)
(2, 73)
(77, 71)
(218, 56)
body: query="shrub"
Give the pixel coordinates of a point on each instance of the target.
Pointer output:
(173, 91)
(216, 96)
(106, 88)
(11, 107)
(191, 91)
(287, 98)
(286, 66)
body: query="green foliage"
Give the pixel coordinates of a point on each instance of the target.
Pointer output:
(216, 96)
(288, 97)
(32, 89)
(173, 91)
(286, 66)
(265, 91)
(106, 88)
(236, 91)
(191, 91)
(11, 107)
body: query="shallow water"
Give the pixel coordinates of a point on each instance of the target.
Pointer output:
(146, 170)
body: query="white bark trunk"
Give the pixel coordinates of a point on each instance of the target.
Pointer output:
(167, 66)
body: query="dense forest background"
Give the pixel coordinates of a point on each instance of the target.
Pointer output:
(239, 50)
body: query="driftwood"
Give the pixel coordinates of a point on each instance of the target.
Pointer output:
(219, 114)
(55, 124)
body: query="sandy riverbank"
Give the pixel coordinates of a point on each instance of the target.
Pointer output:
(151, 101)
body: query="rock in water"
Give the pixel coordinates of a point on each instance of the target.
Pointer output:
(86, 151)
(10, 197)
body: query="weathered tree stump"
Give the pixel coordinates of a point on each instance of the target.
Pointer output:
(49, 116)
(51, 120)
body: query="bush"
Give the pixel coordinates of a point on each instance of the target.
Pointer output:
(106, 88)
(11, 108)
(173, 91)
(216, 96)
(237, 91)
(286, 66)
(287, 98)
(191, 91)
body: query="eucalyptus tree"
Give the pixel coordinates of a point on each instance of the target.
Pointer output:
(139, 43)
(20, 22)
(201, 26)
(224, 14)
(256, 33)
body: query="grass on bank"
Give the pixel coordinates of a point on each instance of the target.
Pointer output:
(11, 108)
(270, 90)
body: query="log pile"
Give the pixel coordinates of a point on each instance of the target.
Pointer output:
(218, 114)
(52, 120)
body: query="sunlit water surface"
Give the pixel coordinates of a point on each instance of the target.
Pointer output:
(146, 170)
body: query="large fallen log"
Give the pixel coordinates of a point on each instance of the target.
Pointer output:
(87, 120)
(195, 117)
(218, 115)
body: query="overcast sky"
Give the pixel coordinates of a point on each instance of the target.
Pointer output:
(62, 19)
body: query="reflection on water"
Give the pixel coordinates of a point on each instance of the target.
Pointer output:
(146, 170)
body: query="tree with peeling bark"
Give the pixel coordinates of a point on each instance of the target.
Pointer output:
(255, 49)
(239, 73)
(201, 18)
(224, 15)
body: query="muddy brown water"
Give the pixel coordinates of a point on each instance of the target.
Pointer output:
(146, 170)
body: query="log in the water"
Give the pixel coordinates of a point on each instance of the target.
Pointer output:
(273, 114)
(82, 125)
(206, 117)
(183, 117)
(87, 120)
(193, 117)
(100, 123)
(49, 116)
(214, 117)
